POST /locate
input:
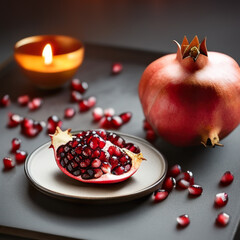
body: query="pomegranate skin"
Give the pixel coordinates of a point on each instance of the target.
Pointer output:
(191, 102)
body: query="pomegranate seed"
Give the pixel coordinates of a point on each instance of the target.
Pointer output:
(106, 122)
(221, 199)
(91, 101)
(20, 156)
(31, 128)
(102, 134)
(69, 112)
(175, 170)
(27, 123)
(53, 122)
(98, 173)
(23, 100)
(96, 163)
(183, 220)
(30, 132)
(132, 147)
(126, 116)
(109, 112)
(120, 142)
(5, 101)
(223, 219)
(8, 163)
(169, 183)
(76, 96)
(195, 190)
(111, 150)
(79, 86)
(35, 104)
(150, 135)
(116, 122)
(16, 143)
(227, 178)
(160, 195)
(14, 120)
(116, 68)
(146, 125)
(119, 170)
(183, 184)
(188, 176)
(83, 106)
(97, 114)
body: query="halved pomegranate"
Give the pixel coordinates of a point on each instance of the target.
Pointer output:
(95, 156)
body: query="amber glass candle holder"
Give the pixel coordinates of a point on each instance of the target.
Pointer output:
(53, 71)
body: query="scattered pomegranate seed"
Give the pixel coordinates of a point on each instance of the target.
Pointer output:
(97, 114)
(160, 195)
(188, 176)
(20, 156)
(109, 112)
(169, 183)
(195, 190)
(8, 163)
(116, 68)
(146, 125)
(83, 105)
(23, 100)
(126, 116)
(53, 122)
(116, 122)
(35, 104)
(16, 143)
(79, 86)
(106, 122)
(183, 220)
(221, 199)
(14, 120)
(5, 101)
(223, 219)
(183, 184)
(150, 135)
(175, 170)
(69, 112)
(27, 123)
(91, 101)
(76, 96)
(227, 178)
(31, 128)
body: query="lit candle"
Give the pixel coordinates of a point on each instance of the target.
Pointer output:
(47, 54)
(49, 60)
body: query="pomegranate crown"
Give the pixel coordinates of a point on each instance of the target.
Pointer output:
(194, 48)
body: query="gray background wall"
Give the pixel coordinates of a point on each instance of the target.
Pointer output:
(150, 25)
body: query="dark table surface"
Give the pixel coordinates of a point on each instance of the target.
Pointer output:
(26, 212)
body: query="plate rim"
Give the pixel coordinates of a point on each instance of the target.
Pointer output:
(140, 193)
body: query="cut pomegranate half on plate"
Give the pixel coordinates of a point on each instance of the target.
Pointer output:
(95, 156)
(43, 173)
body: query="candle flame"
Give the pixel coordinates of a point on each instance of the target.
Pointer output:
(47, 54)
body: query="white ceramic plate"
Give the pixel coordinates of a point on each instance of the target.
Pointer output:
(43, 172)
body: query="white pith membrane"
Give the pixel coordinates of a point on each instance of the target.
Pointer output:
(60, 138)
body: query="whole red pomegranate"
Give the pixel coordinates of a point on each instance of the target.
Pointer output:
(95, 156)
(193, 96)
